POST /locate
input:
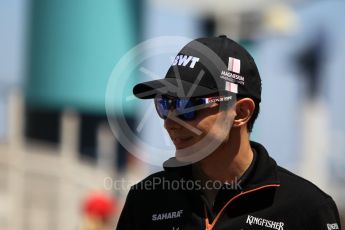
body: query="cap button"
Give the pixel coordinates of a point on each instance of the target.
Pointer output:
(222, 36)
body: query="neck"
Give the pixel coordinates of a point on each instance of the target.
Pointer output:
(230, 160)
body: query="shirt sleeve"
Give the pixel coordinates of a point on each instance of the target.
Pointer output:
(324, 217)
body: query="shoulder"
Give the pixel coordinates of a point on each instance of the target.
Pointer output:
(157, 183)
(317, 208)
(302, 190)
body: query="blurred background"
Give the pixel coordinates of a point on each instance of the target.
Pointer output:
(60, 163)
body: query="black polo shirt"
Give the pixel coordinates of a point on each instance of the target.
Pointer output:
(267, 197)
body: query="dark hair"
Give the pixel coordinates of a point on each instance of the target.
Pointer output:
(255, 114)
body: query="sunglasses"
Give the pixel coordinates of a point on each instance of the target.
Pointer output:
(185, 108)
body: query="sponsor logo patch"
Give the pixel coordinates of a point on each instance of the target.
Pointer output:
(231, 87)
(218, 99)
(332, 226)
(185, 60)
(234, 65)
(252, 220)
(232, 74)
(167, 215)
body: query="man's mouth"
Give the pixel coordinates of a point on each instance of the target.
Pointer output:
(181, 140)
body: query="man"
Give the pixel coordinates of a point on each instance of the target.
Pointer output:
(219, 179)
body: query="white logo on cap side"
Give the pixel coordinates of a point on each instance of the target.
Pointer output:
(234, 65)
(183, 60)
(231, 87)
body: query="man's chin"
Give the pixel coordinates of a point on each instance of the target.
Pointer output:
(182, 146)
(182, 143)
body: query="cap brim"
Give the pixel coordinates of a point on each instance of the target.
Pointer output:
(170, 86)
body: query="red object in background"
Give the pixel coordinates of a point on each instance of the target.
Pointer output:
(99, 204)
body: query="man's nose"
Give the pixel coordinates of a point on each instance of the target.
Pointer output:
(169, 123)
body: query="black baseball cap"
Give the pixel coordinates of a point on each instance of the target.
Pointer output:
(207, 66)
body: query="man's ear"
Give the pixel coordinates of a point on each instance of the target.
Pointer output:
(244, 110)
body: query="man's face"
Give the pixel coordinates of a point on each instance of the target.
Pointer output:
(212, 121)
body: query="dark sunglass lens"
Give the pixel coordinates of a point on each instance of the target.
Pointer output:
(184, 108)
(162, 106)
